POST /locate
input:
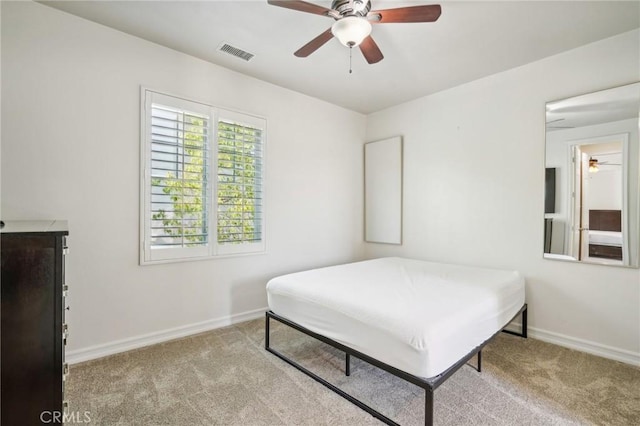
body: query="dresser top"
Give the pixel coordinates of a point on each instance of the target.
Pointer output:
(35, 226)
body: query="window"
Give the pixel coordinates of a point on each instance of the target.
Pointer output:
(202, 180)
(239, 200)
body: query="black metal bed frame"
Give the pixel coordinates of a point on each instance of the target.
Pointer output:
(429, 385)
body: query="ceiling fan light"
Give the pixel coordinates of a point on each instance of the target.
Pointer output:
(351, 30)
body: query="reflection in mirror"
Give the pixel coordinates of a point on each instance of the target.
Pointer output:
(591, 177)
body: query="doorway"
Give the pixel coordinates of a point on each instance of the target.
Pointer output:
(598, 200)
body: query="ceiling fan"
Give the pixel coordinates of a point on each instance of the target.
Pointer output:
(353, 19)
(594, 164)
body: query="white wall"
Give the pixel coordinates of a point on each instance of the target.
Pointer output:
(473, 181)
(605, 190)
(70, 150)
(474, 191)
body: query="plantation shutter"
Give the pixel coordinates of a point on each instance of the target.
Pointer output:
(240, 183)
(178, 199)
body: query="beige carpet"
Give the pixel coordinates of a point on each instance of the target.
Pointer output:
(225, 377)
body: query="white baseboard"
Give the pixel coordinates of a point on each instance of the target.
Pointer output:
(616, 354)
(99, 351)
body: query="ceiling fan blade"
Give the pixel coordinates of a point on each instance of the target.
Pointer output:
(314, 44)
(371, 51)
(301, 6)
(428, 13)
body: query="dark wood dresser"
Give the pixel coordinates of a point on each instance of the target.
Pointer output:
(33, 324)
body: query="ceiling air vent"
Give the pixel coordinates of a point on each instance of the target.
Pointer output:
(238, 53)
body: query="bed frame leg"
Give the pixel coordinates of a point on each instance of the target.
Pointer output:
(347, 366)
(428, 407)
(523, 332)
(266, 332)
(479, 361)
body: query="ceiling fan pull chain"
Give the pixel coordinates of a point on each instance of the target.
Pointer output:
(350, 51)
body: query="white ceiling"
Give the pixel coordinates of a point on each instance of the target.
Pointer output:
(469, 41)
(605, 106)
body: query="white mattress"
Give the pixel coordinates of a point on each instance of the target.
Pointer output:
(420, 317)
(605, 238)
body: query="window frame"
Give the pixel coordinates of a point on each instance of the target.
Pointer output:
(213, 249)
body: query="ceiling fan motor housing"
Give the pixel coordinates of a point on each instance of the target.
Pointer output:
(351, 7)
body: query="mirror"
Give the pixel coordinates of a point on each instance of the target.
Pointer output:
(591, 204)
(383, 191)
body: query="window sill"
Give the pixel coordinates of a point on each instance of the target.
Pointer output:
(199, 258)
